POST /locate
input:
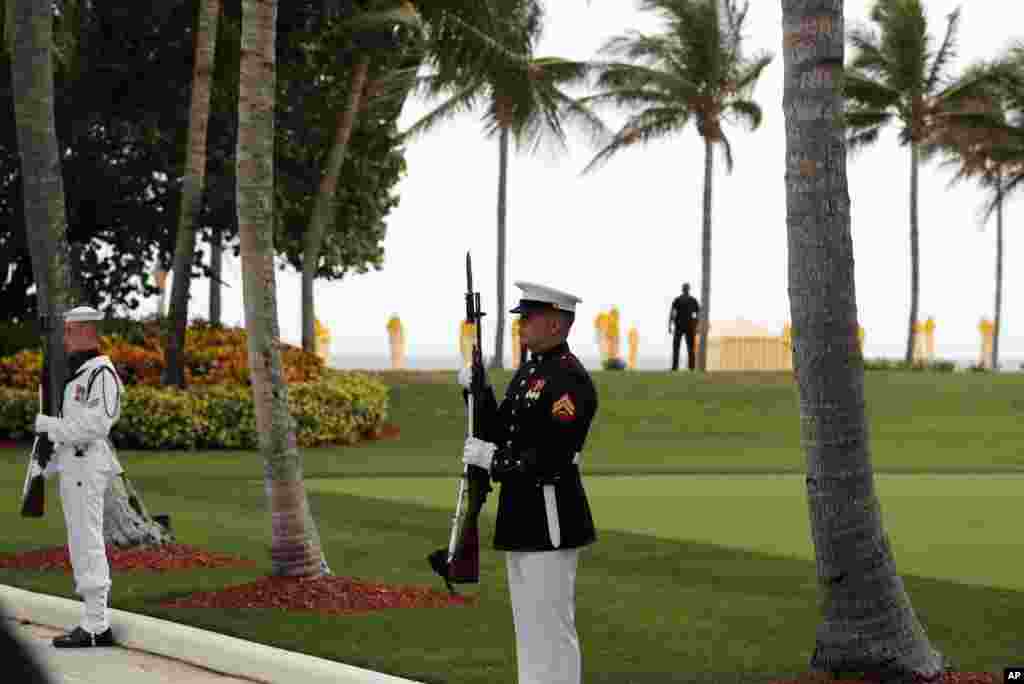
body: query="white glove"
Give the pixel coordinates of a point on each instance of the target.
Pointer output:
(465, 376)
(479, 453)
(41, 425)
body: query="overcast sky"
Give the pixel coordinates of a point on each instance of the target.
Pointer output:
(628, 235)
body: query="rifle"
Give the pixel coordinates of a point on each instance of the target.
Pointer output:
(460, 562)
(33, 493)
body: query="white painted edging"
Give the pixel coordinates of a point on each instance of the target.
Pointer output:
(217, 652)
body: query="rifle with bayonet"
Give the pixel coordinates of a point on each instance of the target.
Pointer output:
(33, 492)
(460, 562)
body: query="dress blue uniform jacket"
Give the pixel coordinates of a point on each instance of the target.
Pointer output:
(540, 428)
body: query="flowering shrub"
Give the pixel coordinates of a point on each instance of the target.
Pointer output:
(213, 356)
(338, 410)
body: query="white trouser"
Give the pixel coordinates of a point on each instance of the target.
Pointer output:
(83, 482)
(542, 585)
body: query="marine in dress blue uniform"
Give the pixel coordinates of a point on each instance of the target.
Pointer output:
(533, 443)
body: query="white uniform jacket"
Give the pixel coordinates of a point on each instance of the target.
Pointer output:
(91, 406)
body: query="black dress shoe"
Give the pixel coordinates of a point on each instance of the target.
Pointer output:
(80, 638)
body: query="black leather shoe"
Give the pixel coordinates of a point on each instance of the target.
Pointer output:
(80, 638)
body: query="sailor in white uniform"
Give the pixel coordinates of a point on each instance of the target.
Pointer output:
(86, 462)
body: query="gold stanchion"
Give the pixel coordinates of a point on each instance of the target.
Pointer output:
(323, 340)
(396, 340)
(634, 343)
(613, 333)
(987, 329)
(601, 329)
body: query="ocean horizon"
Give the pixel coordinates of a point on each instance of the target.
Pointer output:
(1012, 363)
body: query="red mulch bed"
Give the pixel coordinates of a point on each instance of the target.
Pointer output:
(159, 559)
(947, 678)
(324, 595)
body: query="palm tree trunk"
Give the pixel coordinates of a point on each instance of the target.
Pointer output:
(498, 360)
(705, 260)
(216, 271)
(868, 622)
(30, 42)
(295, 544)
(999, 274)
(915, 256)
(324, 210)
(192, 192)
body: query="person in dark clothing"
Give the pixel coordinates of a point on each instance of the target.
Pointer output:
(19, 663)
(682, 322)
(532, 448)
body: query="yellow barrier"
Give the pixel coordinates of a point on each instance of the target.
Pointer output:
(601, 332)
(924, 340)
(396, 340)
(748, 353)
(987, 329)
(323, 339)
(634, 343)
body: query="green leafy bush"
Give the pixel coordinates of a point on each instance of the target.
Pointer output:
(613, 364)
(16, 337)
(939, 366)
(339, 410)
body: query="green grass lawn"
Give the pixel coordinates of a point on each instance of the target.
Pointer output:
(704, 567)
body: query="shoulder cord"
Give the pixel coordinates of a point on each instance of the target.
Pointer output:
(92, 379)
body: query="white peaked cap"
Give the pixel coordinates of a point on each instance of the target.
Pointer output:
(82, 314)
(534, 294)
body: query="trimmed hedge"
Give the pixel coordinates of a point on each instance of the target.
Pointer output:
(336, 411)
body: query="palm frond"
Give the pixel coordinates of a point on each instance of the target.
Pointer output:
(751, 72)
(641, 129)
(867, 53)
(868, 92)
(619, 75)
(746, 110)
(946, 54)
(857, 142)
(462, 101)
(726, 152)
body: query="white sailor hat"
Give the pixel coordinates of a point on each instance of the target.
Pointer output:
(82, 314)
(540, 296)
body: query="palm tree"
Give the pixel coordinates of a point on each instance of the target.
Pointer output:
(369, 22)
(295, 544)
(525, 100)
(694, 70)
(192, 192)
(984, 140)
(868, 623)
(28, 29)
(896, 77)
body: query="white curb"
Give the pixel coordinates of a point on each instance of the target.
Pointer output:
(217, 652)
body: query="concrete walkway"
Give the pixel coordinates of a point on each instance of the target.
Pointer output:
(152, 651)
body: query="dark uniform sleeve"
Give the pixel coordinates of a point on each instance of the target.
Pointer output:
(564, 412)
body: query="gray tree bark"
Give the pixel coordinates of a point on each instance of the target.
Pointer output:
(999, 274)
(295, 544)
(705, 259)
(498, 360)
(192, 192)
(868, 622)
(915, 255)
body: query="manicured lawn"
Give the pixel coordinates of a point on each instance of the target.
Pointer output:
(705, 578)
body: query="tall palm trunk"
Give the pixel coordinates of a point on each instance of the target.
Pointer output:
(192, 192)
(324, 210)
(216, 272)
(915, 256)
(42, 183)
(868, 622)
(295, 544)
(498, 360)
(705, 259)
(999, 273)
